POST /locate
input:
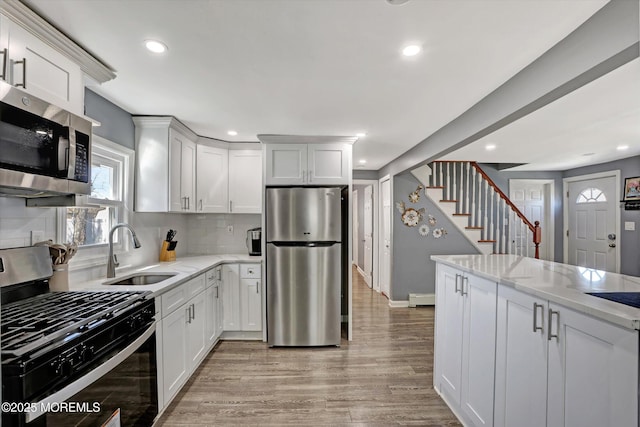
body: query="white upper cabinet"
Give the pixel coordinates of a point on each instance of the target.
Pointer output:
(212, 181)
(308, 164)
(328, 164)
(245, 181)
(286, 164)
(165, 165)
(35, 67)
(228, 180)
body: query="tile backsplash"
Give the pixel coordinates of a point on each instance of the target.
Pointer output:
(17, 222)
(211, 233)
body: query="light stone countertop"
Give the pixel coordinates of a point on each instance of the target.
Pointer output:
(184, 268)
(556, 282)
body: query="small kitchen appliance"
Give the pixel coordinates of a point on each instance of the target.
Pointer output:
(254, 241)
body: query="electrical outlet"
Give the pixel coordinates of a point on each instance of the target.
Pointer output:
(230, 229)
(37, 236)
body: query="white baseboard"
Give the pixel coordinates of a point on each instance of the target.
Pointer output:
(398, 304)
(361, 271)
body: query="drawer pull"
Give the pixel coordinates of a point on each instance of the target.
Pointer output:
(3, 76)
(549, 333)
(535, 317)
(24, 73)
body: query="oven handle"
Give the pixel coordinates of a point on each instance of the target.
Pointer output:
(90, 377)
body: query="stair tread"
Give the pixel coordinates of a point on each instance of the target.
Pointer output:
(436, 187)
(461, 214)
(474, 228)
(449, 201)
(487, 241)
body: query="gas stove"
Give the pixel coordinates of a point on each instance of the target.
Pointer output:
(52, 340)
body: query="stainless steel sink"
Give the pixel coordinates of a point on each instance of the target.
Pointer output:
(140, 279)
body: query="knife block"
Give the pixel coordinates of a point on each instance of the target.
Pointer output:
(166, 254)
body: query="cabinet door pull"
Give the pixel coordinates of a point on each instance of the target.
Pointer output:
(310, 175)
(535, 317)
(189, 314)
(216, 292)
(257, 287)
(188, 203)
(3, 76)
(230, 206)
(24, 73)
(456, 287)
(465, 279)
(200, 204)
(193, 311)
(557, 334)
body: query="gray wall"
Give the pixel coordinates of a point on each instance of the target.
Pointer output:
(413, 271)
(364, 174)
(116, 124)
(629, 241)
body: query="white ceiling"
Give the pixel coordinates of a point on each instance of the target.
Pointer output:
(582, 128)
(314, 67)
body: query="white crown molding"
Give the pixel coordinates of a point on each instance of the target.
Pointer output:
(32, 22)
(165, 121)
(306, 139)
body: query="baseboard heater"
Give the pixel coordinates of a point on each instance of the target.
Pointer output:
(422, 299)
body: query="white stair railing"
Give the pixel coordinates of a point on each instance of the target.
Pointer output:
(488, 207)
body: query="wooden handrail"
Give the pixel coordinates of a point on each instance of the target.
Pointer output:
(504, 196)
(534, 228)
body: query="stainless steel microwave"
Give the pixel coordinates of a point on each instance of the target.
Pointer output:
(44, 150)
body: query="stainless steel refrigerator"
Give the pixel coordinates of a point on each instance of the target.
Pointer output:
(304, 263)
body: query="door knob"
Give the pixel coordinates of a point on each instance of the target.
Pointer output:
(612, 245)
(611, 236)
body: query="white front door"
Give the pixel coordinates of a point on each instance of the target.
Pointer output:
(591, 225)
(368, 234)
(385, 267)
(533, 199)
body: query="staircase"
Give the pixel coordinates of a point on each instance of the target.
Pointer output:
(480, 210)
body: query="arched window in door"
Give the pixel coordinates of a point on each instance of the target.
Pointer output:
(591, 195)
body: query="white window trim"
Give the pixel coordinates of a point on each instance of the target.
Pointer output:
(96, 255)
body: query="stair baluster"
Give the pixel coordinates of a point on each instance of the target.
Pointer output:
(489, 209)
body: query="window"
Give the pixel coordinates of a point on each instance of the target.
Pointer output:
(89, 226)
(591, 195)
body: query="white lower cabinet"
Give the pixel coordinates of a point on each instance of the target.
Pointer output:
(183, 335)
(231, 296)
(559, 367)
(242, 297)
(521, 360)
(465, 343)
(214, 306)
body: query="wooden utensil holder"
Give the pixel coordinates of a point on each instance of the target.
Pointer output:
(165, 254)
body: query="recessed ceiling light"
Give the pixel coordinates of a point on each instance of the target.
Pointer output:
(232, 133)
(361, 135)
(363, 161)
(155, 46)
(490, 147)
(411, 50)
(622, 147)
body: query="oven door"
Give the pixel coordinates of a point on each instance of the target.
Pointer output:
(122, 391)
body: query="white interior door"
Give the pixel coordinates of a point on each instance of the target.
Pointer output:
(354, 230)
(591, 223)
(368, 234)
(533, 198)
(385, 264)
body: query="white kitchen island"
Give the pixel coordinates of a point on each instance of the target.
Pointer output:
(518, 342)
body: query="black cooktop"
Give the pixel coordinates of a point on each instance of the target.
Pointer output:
(627, 298)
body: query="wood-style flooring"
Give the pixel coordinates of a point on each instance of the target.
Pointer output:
(383, 377)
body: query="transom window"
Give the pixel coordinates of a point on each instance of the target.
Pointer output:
(591, 195)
